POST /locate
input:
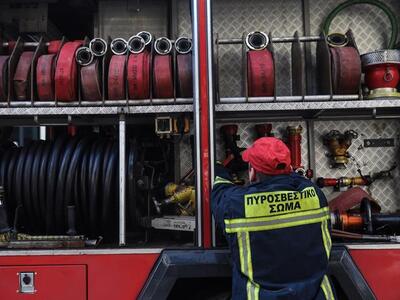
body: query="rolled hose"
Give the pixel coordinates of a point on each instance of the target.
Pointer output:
(47, 178)
(382, 6)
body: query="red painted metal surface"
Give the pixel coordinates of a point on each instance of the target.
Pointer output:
(381, 269)
(50, 282)
(111, 276)
(205, 125)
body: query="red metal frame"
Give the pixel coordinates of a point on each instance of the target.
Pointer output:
(204, 123)
(381, 269)
(109, 276)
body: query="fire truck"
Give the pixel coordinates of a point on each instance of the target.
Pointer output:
(114, 113)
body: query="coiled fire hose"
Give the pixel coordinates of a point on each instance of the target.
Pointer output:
(163, 84)
(382, 6)
(64, 186)
(260, 66)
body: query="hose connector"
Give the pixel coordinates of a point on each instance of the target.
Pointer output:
(119, 46)
(257, 40)
(84, 56)
(183, 45)
(136, 44)
(98, 46)
(337, 40)
(163, 46)
(147, 36)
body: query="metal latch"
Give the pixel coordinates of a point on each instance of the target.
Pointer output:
(26, 282)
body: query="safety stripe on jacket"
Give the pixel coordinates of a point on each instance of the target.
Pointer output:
(276, 222)
(219, 180)
(326, 237)
(326, 288)
(246, 266)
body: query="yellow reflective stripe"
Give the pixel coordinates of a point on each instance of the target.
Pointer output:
(219, 180)
(246, 266)
(326, 237)
(255, 224)
(326, 288)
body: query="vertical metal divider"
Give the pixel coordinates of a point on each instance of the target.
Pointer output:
(174, 71)
(196, 110)
(311, 147)
(270, 47)
(216, 66)
(151, 72)
(12, 65)
(122, 179)
(40, 49)
(298, 84)
(106, 64)
(324, 67)
(307, 47)
(211, 107)
(245, 88)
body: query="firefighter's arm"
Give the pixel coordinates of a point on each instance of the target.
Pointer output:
(220, 193)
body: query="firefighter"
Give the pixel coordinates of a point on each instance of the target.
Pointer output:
(277, 228)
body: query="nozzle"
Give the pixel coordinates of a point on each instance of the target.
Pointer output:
(183, 45)
(146, 36)
(119, 46)
(257, 40)
(163, 46)
(98, 46)
(136, 44)
(84, 56)
(337, 40)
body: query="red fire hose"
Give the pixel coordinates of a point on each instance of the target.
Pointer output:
(45, 77)
(45, 70)
(66, 85)
(184, 70)
(21, 76)
(163, 86)
(91, 81)
(260, 73)
(138, 75)
(116, 78)
(346, 70)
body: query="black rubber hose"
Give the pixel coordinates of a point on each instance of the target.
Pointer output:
(42, 184)
(52, 175)
(19, 185)
(83, 211)
(35, 179)
(10, 187)
(60, 209)
(109, 192)
(75, 162)
(131, 199)
(27, 195)
(94, 180)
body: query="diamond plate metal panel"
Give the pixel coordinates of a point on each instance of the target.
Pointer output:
(248, 135)
(184, 21)
(370, 160)
(233, 18)
(185, 152)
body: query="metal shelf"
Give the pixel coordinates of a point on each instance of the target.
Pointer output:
(307, 109)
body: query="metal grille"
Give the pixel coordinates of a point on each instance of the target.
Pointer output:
(233, 18)
(369, 160)
(382, 56)
(248, 135)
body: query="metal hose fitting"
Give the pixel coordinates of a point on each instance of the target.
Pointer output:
(337, 40)
(183, 45)
(148, 38)
(98, 46)
(136, 44)
(119, 46)
(84, 56)
(257, 40)
(163, 46)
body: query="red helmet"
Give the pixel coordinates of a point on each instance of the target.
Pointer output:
(269, 155)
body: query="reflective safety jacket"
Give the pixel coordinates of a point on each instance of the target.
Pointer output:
(278, 231)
